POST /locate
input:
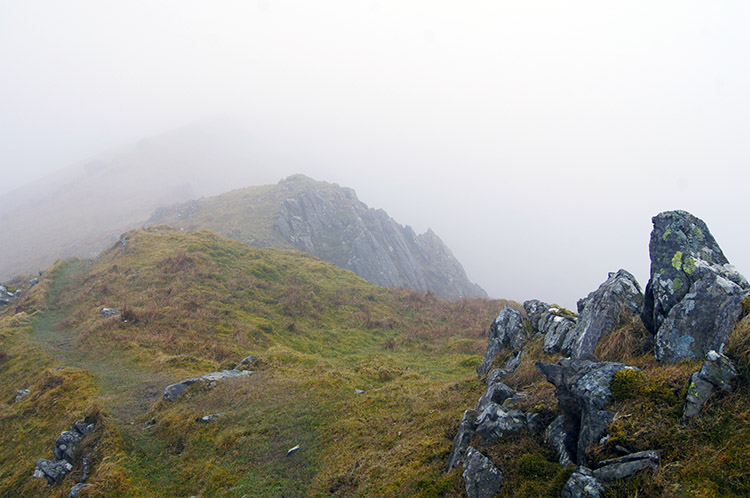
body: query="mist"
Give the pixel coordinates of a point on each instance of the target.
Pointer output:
(537, 138)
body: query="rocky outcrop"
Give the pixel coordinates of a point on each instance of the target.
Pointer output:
(609, 307)
(693, 298)
(482, 478)
(506, 331)
(583, 394)
(717, 373)
(466, 432)
(172, 391)
(335, 226)
(6, 296)
(553, 322)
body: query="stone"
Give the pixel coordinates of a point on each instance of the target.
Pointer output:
(694, 296)
(481, 478)
(557, 436)
(208, 418)
(20, 394)
(54, 472)
(76, 489)
(359, 391)
(583, 484)
(247, 361)
(506, 331)
(604, 310)
(496, 393)
(556, 327)
(66, 445)
(583, 394)
(626, 466)
(717, 373)
(106, 312)
(466, 432)
(534, 309)
(510, 366)
(172, 391)
(495, 422)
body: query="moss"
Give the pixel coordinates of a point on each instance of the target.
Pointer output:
(677, 260)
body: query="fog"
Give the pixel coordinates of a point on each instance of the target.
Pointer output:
(537, 138)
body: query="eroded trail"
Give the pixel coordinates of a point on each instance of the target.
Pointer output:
(126, 388)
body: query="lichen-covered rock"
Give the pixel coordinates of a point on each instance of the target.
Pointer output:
(556, 328)
(77, 489)
(495, 422)
(64, 451)
(602, 311)
(465, 432)
(717, 373)
(54, 472)
(106, 312)
(506, 331)
(510, 366)
(583, 484)
(626, 466)
(693, 298)
(66, 445)
(481, 478)
(534, 310)
(582, 388)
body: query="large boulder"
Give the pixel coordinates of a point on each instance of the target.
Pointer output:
(481, 477)
(506, 331)
(582, 388)
(606, 309)
(694, 296)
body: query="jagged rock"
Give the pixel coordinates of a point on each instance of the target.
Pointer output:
(620, 468)
(105, 312)
(54, 472)
(506, 331)
(172, 391)
(602, 311)
(556, 327)
(717, 373)
(76, 489)
(208, 418)
(481, 477)
(496, 393)
(20, 394)
(583, 484)
(332, 224)
(465, 432)
(535, 422)
(495, 422)
(583, 394)
(693, 298)
(559, 438)
(534, 310)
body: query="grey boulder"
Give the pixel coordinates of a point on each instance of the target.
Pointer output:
(606, 309)
(172, 391)
(495, 422)
(694, 296)
(506, 331)
(717, 373)
(481, 478)
(620, 468)
(583, 484)
(466, 431)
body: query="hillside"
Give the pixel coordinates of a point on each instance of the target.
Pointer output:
(329, 222)
(368, 381)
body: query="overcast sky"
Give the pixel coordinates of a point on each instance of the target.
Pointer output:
(537, 138)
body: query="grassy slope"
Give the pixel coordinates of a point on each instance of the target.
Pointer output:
(196, 303)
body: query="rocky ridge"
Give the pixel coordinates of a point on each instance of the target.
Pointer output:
(331, 223)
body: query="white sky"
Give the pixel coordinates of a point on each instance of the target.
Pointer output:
(537, 138)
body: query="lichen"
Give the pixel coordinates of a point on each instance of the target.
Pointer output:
(677, 260)
(698, 234)
(676, 284)
(689, 265)
(666, 234)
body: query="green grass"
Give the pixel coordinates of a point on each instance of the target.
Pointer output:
(193, 303)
